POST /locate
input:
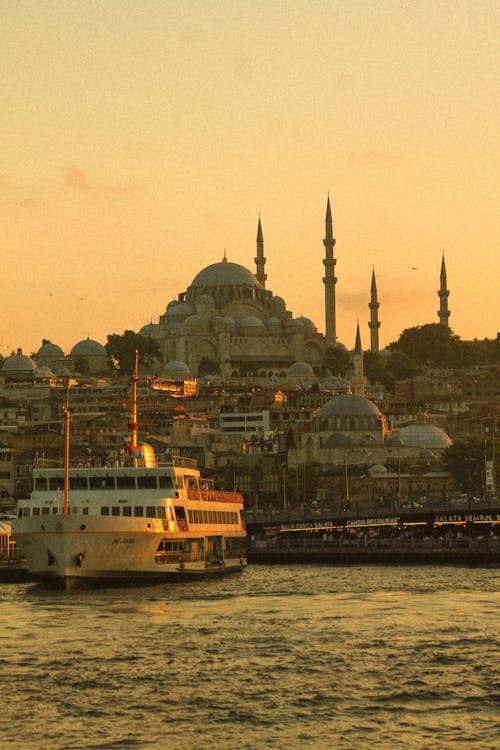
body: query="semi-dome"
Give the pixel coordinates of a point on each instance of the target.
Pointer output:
(273, 323)
(304, 323)
(250, 321)
(224, 273)
(278, 303)
(349, 405)
(424, 436)
(179, 308)
(88, 348)
(48, 348)
(176, 367)
(148, 329)
(19, 362)
(197, 322)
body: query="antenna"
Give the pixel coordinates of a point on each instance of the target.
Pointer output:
(66, 413)
(132, 424)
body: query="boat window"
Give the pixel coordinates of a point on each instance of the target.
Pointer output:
(191, 483)
(205, 516)
(19, 512)
(180, 512)
(56, 483)
(125, 483)
(115, 510)
(36, 511)
(150, 511)
(78, 483)
(85, 511)
(179, 482)
(165, 482)
(160, 511)
(40, 483)
(104, 510)
(26, 511)
(46, 511)
(74, 510)
(126, 510)
(170, 514)
(102, 483)
(147, 482)
(138, 510)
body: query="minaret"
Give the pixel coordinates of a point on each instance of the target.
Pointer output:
(329, 279)
(260, 261)
(443, 295)
(374, 323)
(358, 379)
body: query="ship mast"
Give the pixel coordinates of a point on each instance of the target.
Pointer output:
(132, 424)
(66, 413)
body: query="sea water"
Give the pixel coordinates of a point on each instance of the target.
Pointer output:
(274, 657)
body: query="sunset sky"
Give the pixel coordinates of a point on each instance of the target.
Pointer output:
(142, 138)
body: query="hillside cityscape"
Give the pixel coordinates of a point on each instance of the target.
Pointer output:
(268, 405)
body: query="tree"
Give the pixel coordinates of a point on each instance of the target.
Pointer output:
(336, 361)
(121, 351)
(208, 366)
(465, 461)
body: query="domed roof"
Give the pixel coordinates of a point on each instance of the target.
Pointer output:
(197, 322)
(278, 303)
(48, 347)
(42, 373)
(225, 274)
(88, 348)
(273, 323)
(302, 322)
(176, 367)
(424, 436)
(302, 369)
(179, 308)
(250, 321)
(19, 362)
(148, 329)
(347, 405)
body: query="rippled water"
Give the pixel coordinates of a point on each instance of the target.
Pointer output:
(276, 657)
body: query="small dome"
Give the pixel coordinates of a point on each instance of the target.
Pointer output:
(48, 347)
(250, 321)
(349, 406)
(301, 369)
(278, 303)
(378, 469)
(62, 372)
(175, 367)
(88, 348)
(197, 322)
(304, 323)
(42, 373)
(225, 274)
(19, 362)
(148, 329)
(180, 308)
(424, 436)
(273, 323)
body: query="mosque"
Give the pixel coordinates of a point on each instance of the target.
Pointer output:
(228, 317)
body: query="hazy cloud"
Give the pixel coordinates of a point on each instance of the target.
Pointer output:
(77, 179)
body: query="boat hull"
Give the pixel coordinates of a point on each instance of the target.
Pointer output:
(83, 552)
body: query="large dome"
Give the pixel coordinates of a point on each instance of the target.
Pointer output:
(224, 274)
(349, 406)
(19, 362)
(48, 348)
(424, 436)
(88, 348)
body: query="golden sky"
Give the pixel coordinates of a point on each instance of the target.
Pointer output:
(142, 138)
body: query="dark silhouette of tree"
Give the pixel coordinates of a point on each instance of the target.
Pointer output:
(121, 351)
(208, 366)
(465, 461)
(336, 361)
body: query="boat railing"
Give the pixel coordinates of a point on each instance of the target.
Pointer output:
(58, 463)
(217, 496)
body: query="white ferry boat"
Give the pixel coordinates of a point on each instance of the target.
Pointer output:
(138, 522)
